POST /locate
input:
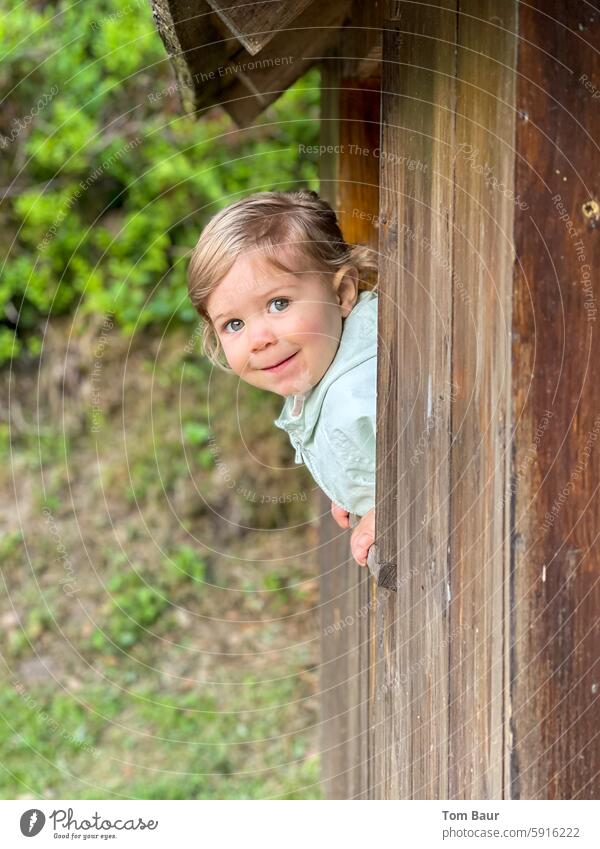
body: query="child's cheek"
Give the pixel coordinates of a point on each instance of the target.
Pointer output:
(310, 328)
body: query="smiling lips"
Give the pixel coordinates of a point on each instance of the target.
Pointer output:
(277, 366)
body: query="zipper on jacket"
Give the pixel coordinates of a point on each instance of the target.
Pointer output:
(297, 445)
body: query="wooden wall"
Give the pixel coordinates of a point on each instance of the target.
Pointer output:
(478, 678)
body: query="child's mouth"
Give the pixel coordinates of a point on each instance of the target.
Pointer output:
(280, 365)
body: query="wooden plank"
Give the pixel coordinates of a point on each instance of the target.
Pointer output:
(363, 37)
(290, 54)
(213, 69)
(347, 594)
(357, 200)
(556, 555)
(410, 733)
(255, 24)
(337, 588)
(344, 607)
(482, 267)
(358, 170)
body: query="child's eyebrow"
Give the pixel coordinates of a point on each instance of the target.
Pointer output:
(282, 287)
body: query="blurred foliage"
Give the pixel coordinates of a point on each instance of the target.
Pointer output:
(135, 601)
(107, 184)
(133, 605)
(205, 752)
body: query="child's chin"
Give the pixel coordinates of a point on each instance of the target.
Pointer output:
(270, 386)
(285, 389)
(284, 385)
(294, 388)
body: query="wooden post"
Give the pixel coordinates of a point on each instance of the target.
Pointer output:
(350, 182)
(448, 82)
(481, 421)
(410, 732)
(555, 557)
(487, 667)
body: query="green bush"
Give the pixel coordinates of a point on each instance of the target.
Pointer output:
(111, 185)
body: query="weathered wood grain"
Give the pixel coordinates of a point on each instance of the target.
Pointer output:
(350, 115)
(196, 49)
(410, 733)
(480, 454)
(256, 24)
(260, 80)
(213, 68)
(556, 349)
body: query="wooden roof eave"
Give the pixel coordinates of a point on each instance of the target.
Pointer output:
(255, 24)
(213, 68)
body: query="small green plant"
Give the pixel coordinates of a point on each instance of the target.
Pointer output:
(4, 435)
(34, 623)
(10, 543)
(184, 564)
(137, 601)
(143, 479)
(133, 606)
(276, 585)
(198, 434)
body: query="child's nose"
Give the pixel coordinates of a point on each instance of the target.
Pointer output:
(261, 335)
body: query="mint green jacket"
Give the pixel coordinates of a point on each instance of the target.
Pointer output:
(332, 427)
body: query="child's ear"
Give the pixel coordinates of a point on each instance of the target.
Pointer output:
(345, 285)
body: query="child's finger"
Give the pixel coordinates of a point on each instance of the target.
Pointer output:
(341, 516)
(360, 548)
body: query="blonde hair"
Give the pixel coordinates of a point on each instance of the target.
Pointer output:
(266, 222)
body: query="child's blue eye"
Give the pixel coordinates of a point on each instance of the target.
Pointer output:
(232, 321)
(228, 328)
(284, 301)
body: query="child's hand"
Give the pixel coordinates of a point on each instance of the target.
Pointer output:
(341, 516)
(363, 537)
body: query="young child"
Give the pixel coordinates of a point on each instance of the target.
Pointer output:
(279, 290)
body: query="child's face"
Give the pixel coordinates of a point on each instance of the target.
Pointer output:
(266, 317)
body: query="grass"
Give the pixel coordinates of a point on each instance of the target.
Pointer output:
(98, 743)
(155, 646)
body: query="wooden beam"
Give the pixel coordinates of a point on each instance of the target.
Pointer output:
(214, 69)
(350, 116)
(556, 348)
(446, 252)
(255, 24)
(197, 50)
(259, 82)
(410, 734)
(480, 452)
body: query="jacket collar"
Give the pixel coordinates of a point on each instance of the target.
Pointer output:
(358, 343)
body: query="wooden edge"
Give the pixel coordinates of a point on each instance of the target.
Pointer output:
(165, 25)
(384, 572)
(242, 23)
(209, 72)
(306, 43)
